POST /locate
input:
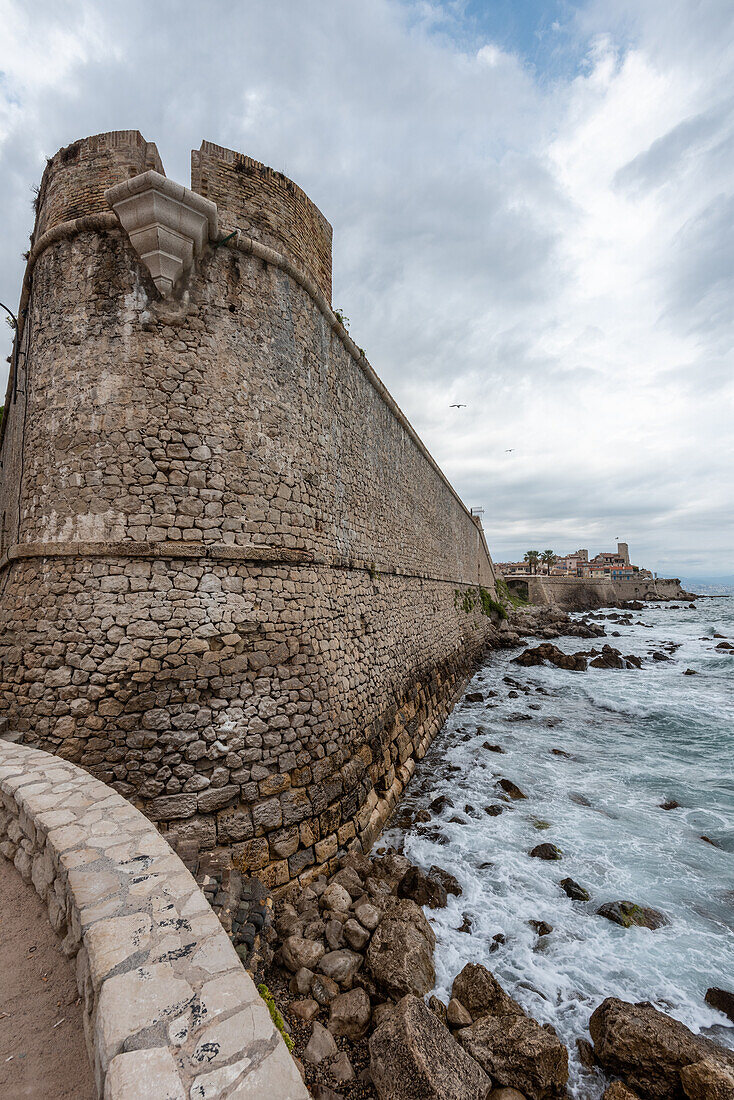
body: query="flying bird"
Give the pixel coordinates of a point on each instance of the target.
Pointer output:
(509, 450)
(457, 406)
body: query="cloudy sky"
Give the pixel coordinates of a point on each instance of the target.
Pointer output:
(533, 211)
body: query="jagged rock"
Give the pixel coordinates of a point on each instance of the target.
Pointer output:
(334, 934)
(541, 927)
(494, 810)
(585, 1053)
(575, 662)
(574, 891)
(391, 868)
(619, 1091)
(505, 1094)
(423, 889)
(300, 983)
(511, 789)
(439, 804)
(380, 1013)
(474, 697)
(414, 1057)
(350, 881)
(356, 936)
(321, 1045)
(707, 1080)
(648, 1049)
(481, 994)
(304, 1010)
(517, 1052)
(457, 1015)
(349, 1014)
(628, 913)
(400, 954)
(437, 1007)
(447, 880)
(669, 804)
(336, 897)
(546, 851)
(341, 966)
(492, 748)
(721, 999)
(367, 915)
(341, 1068)
(297, 952)
(323, 989)
(358, 862)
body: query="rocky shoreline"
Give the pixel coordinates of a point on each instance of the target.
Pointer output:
(352, 964)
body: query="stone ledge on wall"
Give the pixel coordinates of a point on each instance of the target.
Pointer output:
(169, 1011)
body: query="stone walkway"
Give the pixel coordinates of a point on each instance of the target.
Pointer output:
(38, 1061)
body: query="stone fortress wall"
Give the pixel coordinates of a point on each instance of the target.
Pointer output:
(233, 581)
(585, 593)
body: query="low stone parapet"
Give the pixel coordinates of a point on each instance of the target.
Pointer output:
(169, 1011)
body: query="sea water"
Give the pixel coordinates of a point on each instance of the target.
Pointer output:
(634, 739)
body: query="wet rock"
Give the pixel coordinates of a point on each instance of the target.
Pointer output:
(690, 672)
(341, 966)
(495, 810)
(457, 1015)
(574, 662)
(648, 1049)
(541, 825)
(298, 953)
(320, 1046)
(658, 656)
(707, 1080)
(400, 955)
(518, 716)
(447, 880)
(466, 924)
(708, 840)
(497, 941)
(349, 1014)
(492, 748)
(721, 999)
(511, 789)
(546, 851)
(516, 1051)
(541, 927)
(422, 816)
(586, 1053)
(481, 994)
(341, 1068)
(474, 697)
(414, 1057)
(439, 804)
(304, 1010)
(669, 804)
(574, 891)
(422, 888)
(628, 913)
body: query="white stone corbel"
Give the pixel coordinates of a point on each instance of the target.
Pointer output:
(168, 225)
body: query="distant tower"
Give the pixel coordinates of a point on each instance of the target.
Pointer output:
(624, 552)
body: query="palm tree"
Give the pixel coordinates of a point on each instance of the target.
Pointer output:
(532, 557)
(549, 558)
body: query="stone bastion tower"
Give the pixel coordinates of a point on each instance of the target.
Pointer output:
(233, 582)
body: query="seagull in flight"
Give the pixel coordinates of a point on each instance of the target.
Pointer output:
(509, 450)
(457, 406)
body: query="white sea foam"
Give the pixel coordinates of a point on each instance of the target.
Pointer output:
(635, 739)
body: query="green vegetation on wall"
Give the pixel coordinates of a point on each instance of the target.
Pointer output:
(480, 599)
(275, 1015)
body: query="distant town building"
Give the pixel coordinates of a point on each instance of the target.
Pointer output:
(614, 564)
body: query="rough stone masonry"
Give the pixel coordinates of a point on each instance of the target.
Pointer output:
(233, 583)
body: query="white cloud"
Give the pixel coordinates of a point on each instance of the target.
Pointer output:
(556, 253)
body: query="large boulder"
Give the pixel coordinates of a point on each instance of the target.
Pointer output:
(619, 1091)
(349, 1014)
(517, 1052)
(628, 913)
(481, 994)
(648, 1049)
(721, 999)
(422, 888)
(400, 954)
(413, 1057)
(298, 953)
(707, 1081)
